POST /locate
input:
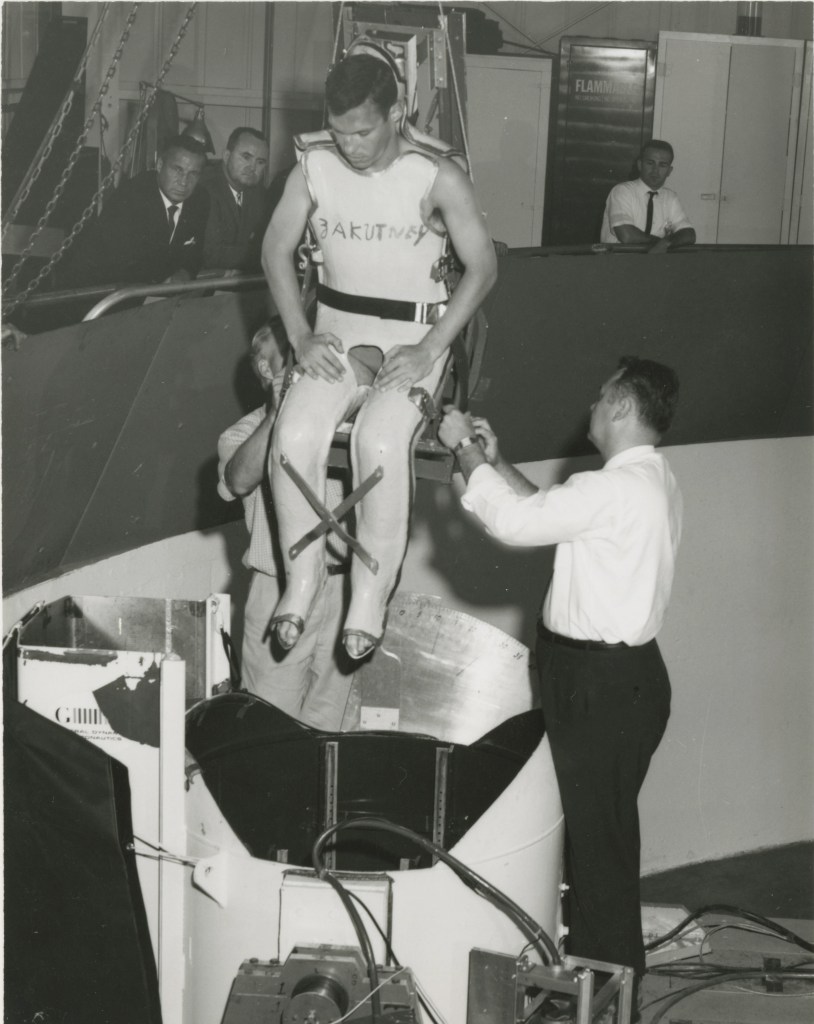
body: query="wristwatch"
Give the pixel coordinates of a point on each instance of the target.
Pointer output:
(465, 442)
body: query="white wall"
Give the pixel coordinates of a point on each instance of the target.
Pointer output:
(735, 771)
(736, 768)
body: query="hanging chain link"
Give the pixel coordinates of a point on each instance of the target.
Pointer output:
(77, 151)
(63, 181)
(41, 157)
(104, 187)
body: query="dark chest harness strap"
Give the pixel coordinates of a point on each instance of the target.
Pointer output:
(385, 309)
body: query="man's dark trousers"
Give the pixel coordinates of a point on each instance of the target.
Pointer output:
(605, 712)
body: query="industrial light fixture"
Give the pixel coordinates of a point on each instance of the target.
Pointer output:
(197, 129)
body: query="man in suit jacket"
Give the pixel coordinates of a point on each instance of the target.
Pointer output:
(238, 204)
(151, 229)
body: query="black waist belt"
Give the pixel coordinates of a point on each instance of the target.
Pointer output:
(386, 309)
(580, 645)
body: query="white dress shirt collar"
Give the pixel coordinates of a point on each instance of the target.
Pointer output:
(167, 204)
(629, 455)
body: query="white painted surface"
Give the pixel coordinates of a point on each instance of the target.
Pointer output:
(735, 771)
(729, 106)
(516, 845)
(508, 100)
(759, 145)
(690, 113)
(172, 837)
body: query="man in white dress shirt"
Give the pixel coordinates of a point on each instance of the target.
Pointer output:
(604, 689)
(646, 210)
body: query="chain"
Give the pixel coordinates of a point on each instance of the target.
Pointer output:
(41, 157)
(77, 151)
(18, 300)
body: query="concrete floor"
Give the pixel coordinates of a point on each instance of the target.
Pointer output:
(777, 884)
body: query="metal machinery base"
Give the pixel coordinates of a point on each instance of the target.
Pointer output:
(506, 990)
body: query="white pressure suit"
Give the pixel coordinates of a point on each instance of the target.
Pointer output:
(378, 240)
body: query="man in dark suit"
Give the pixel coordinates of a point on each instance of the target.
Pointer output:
(238, 204)
(151, 229)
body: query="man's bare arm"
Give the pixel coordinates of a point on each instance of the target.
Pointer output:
(315, 353)
(455, 200)
(629, 234)
(244, 471)
(684, 236)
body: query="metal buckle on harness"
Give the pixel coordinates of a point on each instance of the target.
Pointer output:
(428, 312)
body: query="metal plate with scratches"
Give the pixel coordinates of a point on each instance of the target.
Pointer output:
(440, 672)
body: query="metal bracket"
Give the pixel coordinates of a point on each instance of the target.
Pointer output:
(330, 520)
(331, 774)
(442, 756)
(505, 990)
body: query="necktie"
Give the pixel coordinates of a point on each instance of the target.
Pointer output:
(171, 212)
(649, 222)
(239, 199)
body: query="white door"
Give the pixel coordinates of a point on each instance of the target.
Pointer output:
(729, 105)
(756, 145)
(692, 78)
(507, 110)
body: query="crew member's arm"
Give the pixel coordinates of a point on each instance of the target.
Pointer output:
(243, 452)
(509, 505)
(630, 234)
(316, 354)
(474, 443)
(454, 198)
(684, 236)
(246, 465)
(621, 215)
(679, 231)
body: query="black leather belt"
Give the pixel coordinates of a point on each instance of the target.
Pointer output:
(385, 309)
(570, 641)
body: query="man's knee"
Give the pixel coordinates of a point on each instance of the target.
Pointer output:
(302, 428)
(385, 427)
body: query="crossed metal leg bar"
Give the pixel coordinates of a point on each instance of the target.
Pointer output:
(330, 520)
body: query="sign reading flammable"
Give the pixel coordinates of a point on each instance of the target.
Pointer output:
(606, 86)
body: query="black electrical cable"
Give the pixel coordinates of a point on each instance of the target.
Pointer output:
(391, 954)
(711, 969)
(483, 888)
(363, 937)
(548, 951)
(747, 915)
(722, 980)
